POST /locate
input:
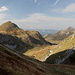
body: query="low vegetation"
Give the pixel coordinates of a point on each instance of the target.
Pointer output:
(14, 64)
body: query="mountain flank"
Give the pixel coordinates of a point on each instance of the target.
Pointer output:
(14, 64)
(20, 40)
(44, 52)
(63, 52)
(61, 35)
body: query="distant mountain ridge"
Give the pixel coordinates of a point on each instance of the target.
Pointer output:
(61, 35)
(45, 31)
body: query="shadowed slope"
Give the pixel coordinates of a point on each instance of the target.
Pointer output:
(32, 38)
(14, 43)
(13, 64)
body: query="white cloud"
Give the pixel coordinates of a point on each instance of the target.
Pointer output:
(42, 21)
(67, 9)
(3, 8)
(56, 2)
(70, 8)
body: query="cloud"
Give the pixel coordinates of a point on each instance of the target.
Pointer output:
(35, 1)
(3, 8)
(56, 2)
(68, 9)
(42, 21)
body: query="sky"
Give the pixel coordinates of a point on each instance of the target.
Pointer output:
(38, 14)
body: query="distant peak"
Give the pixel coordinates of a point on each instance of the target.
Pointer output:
(70, 27)
(9, 21)
(8, 26)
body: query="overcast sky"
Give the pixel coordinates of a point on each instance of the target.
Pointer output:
(38, 14)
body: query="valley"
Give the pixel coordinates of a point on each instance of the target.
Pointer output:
(31, 53)
(37, 37)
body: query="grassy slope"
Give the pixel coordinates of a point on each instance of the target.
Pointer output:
(38, 52)
(13, 64)
(66, 44)
(41, 53)
(61, 48)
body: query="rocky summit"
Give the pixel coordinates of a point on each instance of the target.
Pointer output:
(8, 26)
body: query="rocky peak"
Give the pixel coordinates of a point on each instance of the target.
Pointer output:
(70, 29)
(7, 26)
(61, 35)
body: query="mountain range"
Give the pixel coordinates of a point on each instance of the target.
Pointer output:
(44, 31)
(24, 52)
(60, 35)
(61, 52)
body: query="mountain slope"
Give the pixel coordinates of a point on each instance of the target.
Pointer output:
(31, 38)
(8, 26)
(43, 54)
(56, 51)
(14, 43)
(13, 64)
(63, 51)
(61, 35)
